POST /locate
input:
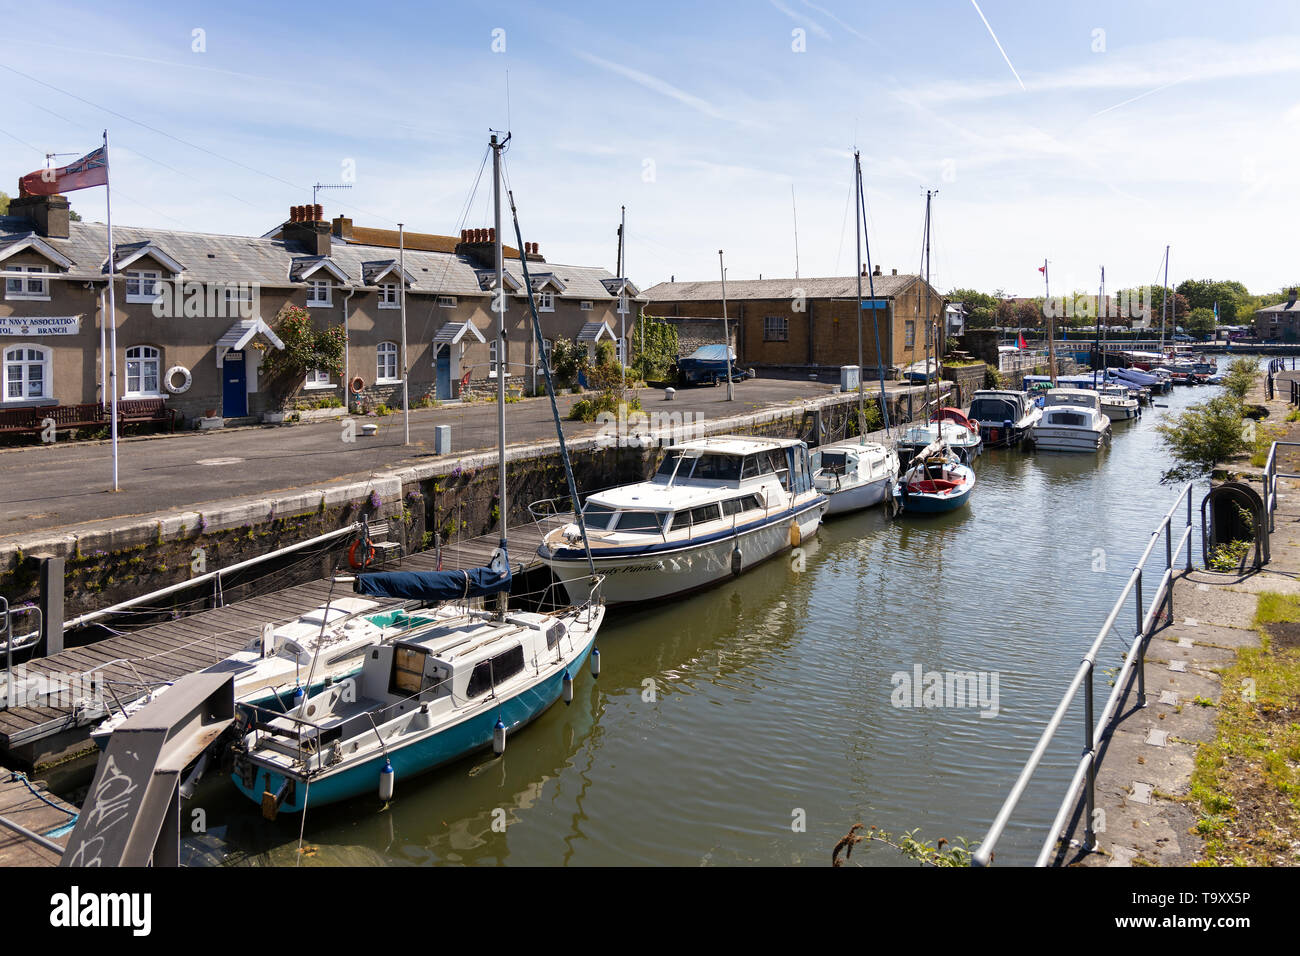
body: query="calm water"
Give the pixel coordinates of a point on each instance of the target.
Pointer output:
(772, 696)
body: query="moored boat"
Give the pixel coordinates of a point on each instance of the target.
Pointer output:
(1004, 416)
(854, 474)
(715, 507)
(1072, 421)
(935, 481)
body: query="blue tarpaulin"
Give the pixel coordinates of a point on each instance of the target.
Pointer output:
(434, 586)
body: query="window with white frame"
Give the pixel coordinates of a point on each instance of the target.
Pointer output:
(622, 304)
(776, 328)
(142, 364)
(26, 373)
(386, 364)
(546, 302)
(317, 379)
(141, 286)
(586, 305)
(318, 292)
(26, 282)
(447, 301)
(388, 296)
(492, 358)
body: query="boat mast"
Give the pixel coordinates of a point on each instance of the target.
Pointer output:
(1101, 298)
(875, 315)
(939, 426)
(502, 506)
(857, 228)
(1164, 303)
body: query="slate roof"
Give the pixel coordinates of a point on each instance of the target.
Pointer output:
(1280, 307)
(225, 259)
(838, 287)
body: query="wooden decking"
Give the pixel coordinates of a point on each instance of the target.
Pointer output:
(170, 650)
(19, 804)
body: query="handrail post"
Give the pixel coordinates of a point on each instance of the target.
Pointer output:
(1169, 566)
(1189, 527)
(1089, 747)
(1142, 646)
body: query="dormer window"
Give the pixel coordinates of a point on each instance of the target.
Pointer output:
(141, 286)
(388, 296)
(318, 293)
(546, 302)
(26, 282)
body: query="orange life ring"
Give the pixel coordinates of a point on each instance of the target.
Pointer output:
(358, 385)
(369, 558)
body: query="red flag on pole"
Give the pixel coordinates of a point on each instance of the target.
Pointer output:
(1021, 344)
(1042, 268)
(90, 170)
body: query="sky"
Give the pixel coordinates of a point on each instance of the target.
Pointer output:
(1088, 134)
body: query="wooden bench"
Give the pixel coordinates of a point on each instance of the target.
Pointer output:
(384, 550)
(146, 411)
(19, 421)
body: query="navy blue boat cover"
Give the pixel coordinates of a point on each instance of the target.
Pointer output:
(434, 585)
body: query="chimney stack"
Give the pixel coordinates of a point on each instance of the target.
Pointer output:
(877, 272)
(343, 227)
(893, 272)
(306, 228)
(47, 214)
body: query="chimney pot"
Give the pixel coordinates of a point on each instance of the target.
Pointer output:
(317, 213)
(893, 272)
(462, 234)
(877, 271)
(492, 235)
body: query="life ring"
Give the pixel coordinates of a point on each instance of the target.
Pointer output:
(186, 380)
(369, 558)
(358, 385)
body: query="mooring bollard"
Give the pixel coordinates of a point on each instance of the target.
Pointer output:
(369, 429)
(442, 440)
(669, 393)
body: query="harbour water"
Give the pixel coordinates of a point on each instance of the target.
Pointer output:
(756, 722)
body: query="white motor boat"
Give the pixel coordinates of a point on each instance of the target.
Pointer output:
(1118, 404)
(1072, 421)
(854, 474)
(715, 507)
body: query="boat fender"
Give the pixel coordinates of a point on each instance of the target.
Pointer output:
(568, 688)
(737, 559)
(386, 781)
(795, 537)
(595, 662)
(365, 561)
(993, 435)
(186, 380)
(499, 738)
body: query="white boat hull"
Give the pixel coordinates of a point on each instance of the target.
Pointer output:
(690, 567)
(866, 495)
(1069, 439)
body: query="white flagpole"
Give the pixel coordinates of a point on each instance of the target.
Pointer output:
(112, 310)
(401, 284)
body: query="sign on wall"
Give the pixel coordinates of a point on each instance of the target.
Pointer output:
(40, 325)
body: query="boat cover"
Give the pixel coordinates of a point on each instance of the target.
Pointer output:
(434, 585)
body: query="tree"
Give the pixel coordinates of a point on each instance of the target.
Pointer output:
(1204, 293)
(1028, 314)
(305, 348)
(1205, 434)
(4, 204)
(1200, 321)
(654, 347)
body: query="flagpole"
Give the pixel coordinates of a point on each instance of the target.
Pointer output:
(112, 309)
(1051, 330)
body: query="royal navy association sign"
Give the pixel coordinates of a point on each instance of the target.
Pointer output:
(40, 325)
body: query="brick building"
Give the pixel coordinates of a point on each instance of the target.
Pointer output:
(203, 307)
(1278, 323)
(810, 323)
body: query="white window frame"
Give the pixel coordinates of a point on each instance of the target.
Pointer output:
(388, 296)
(587, 305)
(313, 289)
(776, 328)
(144, 358)
(138, 278)
(46, 363)
(492, 358)
(546, 302)
(622, 305)
(26, 287)
(383, 350)
(317, 379)
(446, 302)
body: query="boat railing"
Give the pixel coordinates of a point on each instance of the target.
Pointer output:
(1148, 618)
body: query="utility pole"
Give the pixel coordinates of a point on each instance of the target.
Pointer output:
(726, 333)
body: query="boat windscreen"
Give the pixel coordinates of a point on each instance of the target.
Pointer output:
(597, 517)
(669, 463)
(832, 461)
(640, 521)
(718, 467)
(994, 410)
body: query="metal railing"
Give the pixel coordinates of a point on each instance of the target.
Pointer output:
(1085, 773)
(1271, 475)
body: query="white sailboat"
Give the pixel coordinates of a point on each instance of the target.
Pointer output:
(460, 684)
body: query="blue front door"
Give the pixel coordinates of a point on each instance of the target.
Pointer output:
(234, 386)
(444, 372)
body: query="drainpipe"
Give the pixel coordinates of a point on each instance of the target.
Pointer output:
(347, 367)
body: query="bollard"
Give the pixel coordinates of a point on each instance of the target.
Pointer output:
(669, 393)
(442, 440)
(369, 429)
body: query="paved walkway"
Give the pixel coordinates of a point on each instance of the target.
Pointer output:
(1149, 755)
(45, 488)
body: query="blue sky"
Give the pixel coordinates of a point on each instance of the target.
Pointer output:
(1124, 126)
